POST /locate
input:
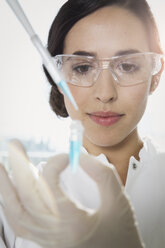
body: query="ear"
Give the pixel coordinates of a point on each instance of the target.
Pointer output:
(156, 78)
(154, 83)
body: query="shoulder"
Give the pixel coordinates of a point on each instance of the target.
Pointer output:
(160, 156)
(153, 149)
(159, 152)
(152, 156)
(156, 159)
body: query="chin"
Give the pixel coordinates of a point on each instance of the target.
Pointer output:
(104, 141)
(110, 139)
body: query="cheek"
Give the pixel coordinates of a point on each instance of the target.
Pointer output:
(136, 100)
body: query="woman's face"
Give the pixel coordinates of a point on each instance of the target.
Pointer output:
(107, 32)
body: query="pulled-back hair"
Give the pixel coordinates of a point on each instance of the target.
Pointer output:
(74, 10)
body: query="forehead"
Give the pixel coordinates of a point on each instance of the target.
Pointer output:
(106, 31)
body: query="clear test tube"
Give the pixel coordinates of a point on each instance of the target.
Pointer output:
(76, 137)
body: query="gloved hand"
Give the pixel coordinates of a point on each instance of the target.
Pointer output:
(44, 214)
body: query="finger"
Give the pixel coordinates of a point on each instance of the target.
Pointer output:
(32, 188)
(20, 147)
(94, 168)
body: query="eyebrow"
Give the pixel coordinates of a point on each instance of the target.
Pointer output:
(85, 53)
(127, 52)
(119, 53)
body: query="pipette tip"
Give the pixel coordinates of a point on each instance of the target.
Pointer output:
(65, 89)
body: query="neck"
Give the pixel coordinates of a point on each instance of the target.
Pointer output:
(119, 155)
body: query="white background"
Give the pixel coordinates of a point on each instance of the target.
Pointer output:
(24, 108)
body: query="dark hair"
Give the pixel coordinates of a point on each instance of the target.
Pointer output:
(71, 12)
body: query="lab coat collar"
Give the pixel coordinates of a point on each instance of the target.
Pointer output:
(147, 153)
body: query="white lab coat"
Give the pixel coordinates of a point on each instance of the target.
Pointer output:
(145, 187)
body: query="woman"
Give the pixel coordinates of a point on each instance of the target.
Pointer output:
(112, 102)
(109, 53)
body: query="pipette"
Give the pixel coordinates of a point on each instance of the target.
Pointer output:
(44, 53)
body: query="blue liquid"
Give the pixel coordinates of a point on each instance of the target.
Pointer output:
(74, 154)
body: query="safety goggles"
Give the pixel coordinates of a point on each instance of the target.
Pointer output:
(126, 70)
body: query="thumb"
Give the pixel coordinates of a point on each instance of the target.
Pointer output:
(107, 178)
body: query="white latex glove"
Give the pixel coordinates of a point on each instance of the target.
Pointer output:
(52, 220)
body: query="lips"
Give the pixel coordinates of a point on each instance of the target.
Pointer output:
(105, 118)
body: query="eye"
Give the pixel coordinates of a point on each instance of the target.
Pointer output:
(82, 69)
(127, 67)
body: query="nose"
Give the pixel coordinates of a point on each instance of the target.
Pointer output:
(105, 87)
